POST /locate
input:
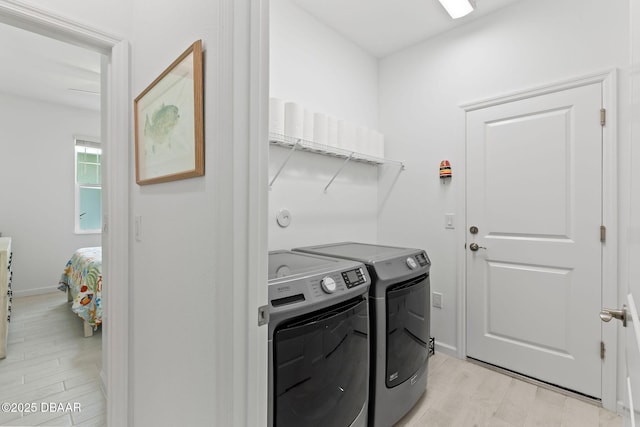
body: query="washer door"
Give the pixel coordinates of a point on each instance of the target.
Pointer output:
(407, 329)
(321, 367)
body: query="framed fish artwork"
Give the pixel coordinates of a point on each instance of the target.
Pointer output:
(169, 128)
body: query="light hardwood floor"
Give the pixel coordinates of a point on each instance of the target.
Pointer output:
(49, 361)
(463, 394)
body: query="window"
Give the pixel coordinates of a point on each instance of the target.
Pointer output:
(88, 186)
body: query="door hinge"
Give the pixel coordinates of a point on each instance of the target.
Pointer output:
(603, 117)
(602, 350)
(603, 233)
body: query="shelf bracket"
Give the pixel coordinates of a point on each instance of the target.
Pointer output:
(296, 145)
(338, 172)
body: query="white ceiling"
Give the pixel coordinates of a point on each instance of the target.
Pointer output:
(385, 26)
(46, 69)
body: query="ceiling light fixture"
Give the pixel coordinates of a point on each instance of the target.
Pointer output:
(458, 8)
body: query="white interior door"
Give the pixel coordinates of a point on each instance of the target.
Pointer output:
(534, 192)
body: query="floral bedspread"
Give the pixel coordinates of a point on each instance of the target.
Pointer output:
(83, 277)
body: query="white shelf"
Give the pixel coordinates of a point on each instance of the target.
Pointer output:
(298, 144)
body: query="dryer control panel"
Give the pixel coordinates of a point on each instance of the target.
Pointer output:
(354, 277)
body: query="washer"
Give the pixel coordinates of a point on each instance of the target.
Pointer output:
(318, 341)
(400, 320)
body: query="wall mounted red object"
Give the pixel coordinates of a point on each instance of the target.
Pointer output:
(445, 169)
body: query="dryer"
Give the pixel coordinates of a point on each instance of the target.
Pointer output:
(399, 315)
(318, 341)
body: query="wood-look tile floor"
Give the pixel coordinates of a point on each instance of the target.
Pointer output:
(463, 394)
(50, 362)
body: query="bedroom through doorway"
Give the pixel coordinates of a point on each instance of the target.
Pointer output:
(50, 129)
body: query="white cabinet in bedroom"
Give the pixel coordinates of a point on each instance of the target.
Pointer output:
(5, 292)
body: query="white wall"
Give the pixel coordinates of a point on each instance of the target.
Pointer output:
(314, 65)
(630, 279)
(172, 343)
(347, 211)
(37, 169)
(192, 321)
(529, 44)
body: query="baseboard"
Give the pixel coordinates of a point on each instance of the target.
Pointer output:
(446, 349)
(37, 291)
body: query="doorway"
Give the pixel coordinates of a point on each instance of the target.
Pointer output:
(115, 120)
(50, 102)
(534, 257)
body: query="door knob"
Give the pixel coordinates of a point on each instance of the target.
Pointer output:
(606, 314)
(474, 247)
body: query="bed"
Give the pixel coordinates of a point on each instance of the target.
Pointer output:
(82, 280)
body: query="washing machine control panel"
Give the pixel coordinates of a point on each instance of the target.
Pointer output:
(328, 285)
(417, 260)
(354, 277)
(423, 260)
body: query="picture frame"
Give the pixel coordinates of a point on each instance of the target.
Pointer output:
(169, 122)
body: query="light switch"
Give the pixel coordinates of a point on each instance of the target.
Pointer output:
(448, 221)
(138, 228)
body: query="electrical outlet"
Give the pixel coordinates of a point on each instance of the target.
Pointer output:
(437, 300)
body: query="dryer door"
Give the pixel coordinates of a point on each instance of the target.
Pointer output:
(321, 367)
(407, 329)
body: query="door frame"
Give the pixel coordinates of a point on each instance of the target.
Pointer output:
(115, 133)
(608, 79)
